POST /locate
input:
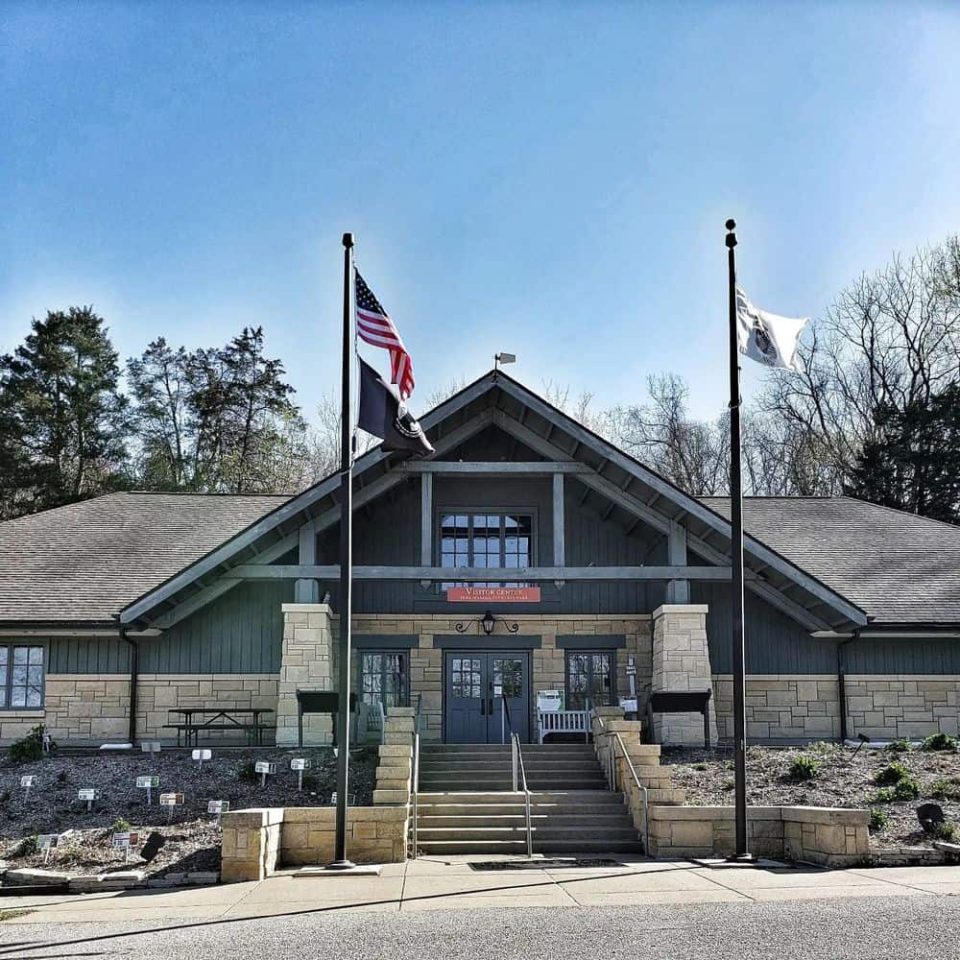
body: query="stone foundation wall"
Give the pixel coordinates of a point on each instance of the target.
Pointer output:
(157, 694)
(823, 835)
(86, 708)
(16, 724)
(782, 707)
(547, 662)
(889, 707)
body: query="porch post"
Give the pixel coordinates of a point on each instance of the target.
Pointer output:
(307, 590)
(678, 591)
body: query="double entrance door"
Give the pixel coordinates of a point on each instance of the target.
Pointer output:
(473, 705)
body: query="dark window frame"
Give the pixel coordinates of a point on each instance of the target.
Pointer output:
(591, 653)
(6, 680)
(471, 513)
(382, 653)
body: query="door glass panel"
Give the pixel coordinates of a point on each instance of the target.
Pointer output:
(465, 679)
(508, 674)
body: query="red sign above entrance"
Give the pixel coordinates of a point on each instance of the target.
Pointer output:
(493, 594)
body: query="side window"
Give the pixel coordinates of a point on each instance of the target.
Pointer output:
(383, 678)
(21, 676)
(590, 679)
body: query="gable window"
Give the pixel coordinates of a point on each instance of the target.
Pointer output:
(21, 676)
(590, 679)
(479, 540)
(383, 678)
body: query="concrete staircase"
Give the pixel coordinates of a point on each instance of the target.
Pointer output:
(466, 805)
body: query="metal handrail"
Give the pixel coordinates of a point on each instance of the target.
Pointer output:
(517, 759)
(415, 779)
(612, 774)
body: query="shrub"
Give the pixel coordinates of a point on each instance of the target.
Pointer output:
(948, 789)
(945, 830)
(728, 784)
(891, 774)
(700, 766)
(804, 767)
(883, 795)
(29, 748)
(899, 746)
(906, 789)
(247, 772)
(939, 741)
(26, 847)
(878, 819)
(120, 826)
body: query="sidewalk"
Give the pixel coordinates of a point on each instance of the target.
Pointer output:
(450, 884)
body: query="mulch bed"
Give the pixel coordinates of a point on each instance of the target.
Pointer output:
(844, 779)
(192, 835)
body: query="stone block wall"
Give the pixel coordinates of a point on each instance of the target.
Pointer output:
(788, 707)
(307, 662)
(85, 708)
(257, 842)
(889, 707)
(394, 764)
(823, 835)
(547, 662)
(681, 661)
(158, 693)
(374, 835)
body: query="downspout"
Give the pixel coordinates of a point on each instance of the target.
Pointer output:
(842, 683)
(134, 676)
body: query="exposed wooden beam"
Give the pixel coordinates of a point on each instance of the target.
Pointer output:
(495, 467)
(426, 519)
(259, 571)
(559, 535)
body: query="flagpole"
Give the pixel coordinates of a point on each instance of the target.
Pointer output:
(736, 555)
(340, 861)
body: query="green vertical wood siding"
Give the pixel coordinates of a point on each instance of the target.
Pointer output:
(866, 656)
(104, 655)
(240, 632)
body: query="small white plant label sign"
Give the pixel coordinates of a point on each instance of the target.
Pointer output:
(27, 782)
(87, 795)
(218, 807)
(124, 841)
(150, 746)
(265, 769)
(201, 755)
(299, 764)
(46, 842)
(171, 799)
(149, 784)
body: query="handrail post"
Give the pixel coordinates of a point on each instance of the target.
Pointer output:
(513, 756)
(416, 789)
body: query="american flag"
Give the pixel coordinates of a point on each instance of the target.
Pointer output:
(376, 328)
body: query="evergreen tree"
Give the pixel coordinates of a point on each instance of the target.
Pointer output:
(62, 418)
(913, 461)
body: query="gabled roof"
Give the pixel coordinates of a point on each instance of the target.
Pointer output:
(899, 567)
(86, 561)
(498, 399)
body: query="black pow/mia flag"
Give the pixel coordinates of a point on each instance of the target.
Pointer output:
(383, 414)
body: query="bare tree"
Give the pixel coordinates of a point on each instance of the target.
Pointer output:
(891, 341)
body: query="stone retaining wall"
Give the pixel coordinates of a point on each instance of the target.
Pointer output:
(823, 835)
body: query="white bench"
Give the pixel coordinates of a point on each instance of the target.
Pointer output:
(563, 721)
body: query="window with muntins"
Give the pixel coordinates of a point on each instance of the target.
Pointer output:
(590, 679)
(383, 678)
(21, 676)
(476, 541)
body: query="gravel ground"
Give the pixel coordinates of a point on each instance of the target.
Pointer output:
(892, 928)
(192, 835)
(844, 779)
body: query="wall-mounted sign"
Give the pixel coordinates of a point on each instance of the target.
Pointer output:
(493, 594)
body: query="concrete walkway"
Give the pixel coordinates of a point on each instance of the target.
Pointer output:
(450, 884)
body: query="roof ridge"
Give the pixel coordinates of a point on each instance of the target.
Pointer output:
(904, 513)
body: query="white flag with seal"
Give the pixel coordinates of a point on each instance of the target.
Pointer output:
(766, 337)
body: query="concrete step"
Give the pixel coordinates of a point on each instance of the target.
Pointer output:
(588, 798)
(538, 818)
(483, 762)
(565, 834)
(506, 786)
(471, 847)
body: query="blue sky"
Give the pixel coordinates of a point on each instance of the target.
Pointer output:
(549, 179)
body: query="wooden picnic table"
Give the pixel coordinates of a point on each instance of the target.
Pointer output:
(197, 720)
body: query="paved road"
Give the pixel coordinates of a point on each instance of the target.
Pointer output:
(888, 928)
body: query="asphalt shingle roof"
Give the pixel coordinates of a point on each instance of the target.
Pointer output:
(898, 567)
(86, 561)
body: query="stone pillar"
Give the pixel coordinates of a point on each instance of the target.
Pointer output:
(306, 663)
(681, 661)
